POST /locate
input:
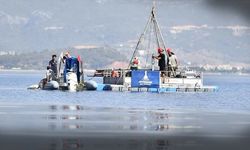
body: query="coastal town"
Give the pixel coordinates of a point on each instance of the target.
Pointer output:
(12, 60)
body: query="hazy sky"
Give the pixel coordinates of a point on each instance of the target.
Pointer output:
(42, 24)
(241, 7)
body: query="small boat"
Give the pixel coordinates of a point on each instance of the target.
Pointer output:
(69, 78)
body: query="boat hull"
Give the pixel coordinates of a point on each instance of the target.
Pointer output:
(52, 85)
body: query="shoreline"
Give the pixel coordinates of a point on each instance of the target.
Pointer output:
(93, 70)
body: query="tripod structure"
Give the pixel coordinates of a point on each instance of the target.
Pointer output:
(150, 40)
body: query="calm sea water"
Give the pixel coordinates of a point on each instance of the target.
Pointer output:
(56, 120)
(233, 95)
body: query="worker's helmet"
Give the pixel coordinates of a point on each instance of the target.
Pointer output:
(168, 50)
(159, 50)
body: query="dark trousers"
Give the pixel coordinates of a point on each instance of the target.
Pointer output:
(163, 70)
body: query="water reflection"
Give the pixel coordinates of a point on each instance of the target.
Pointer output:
(57, 127)
(72, 107)
(108, 119)
(72, 144)
(87, 144)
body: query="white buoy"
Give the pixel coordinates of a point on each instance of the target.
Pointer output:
(91, 85)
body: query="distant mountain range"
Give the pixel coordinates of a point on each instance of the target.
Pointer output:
(93, 58)
(197, 32)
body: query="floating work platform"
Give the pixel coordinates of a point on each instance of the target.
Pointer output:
(121, 88)
(151, 81)
(142, 74)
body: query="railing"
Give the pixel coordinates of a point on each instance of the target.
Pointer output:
(180, 72)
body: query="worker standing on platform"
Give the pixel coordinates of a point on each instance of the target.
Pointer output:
(161, 61)
(173, 63)
(135, 64)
